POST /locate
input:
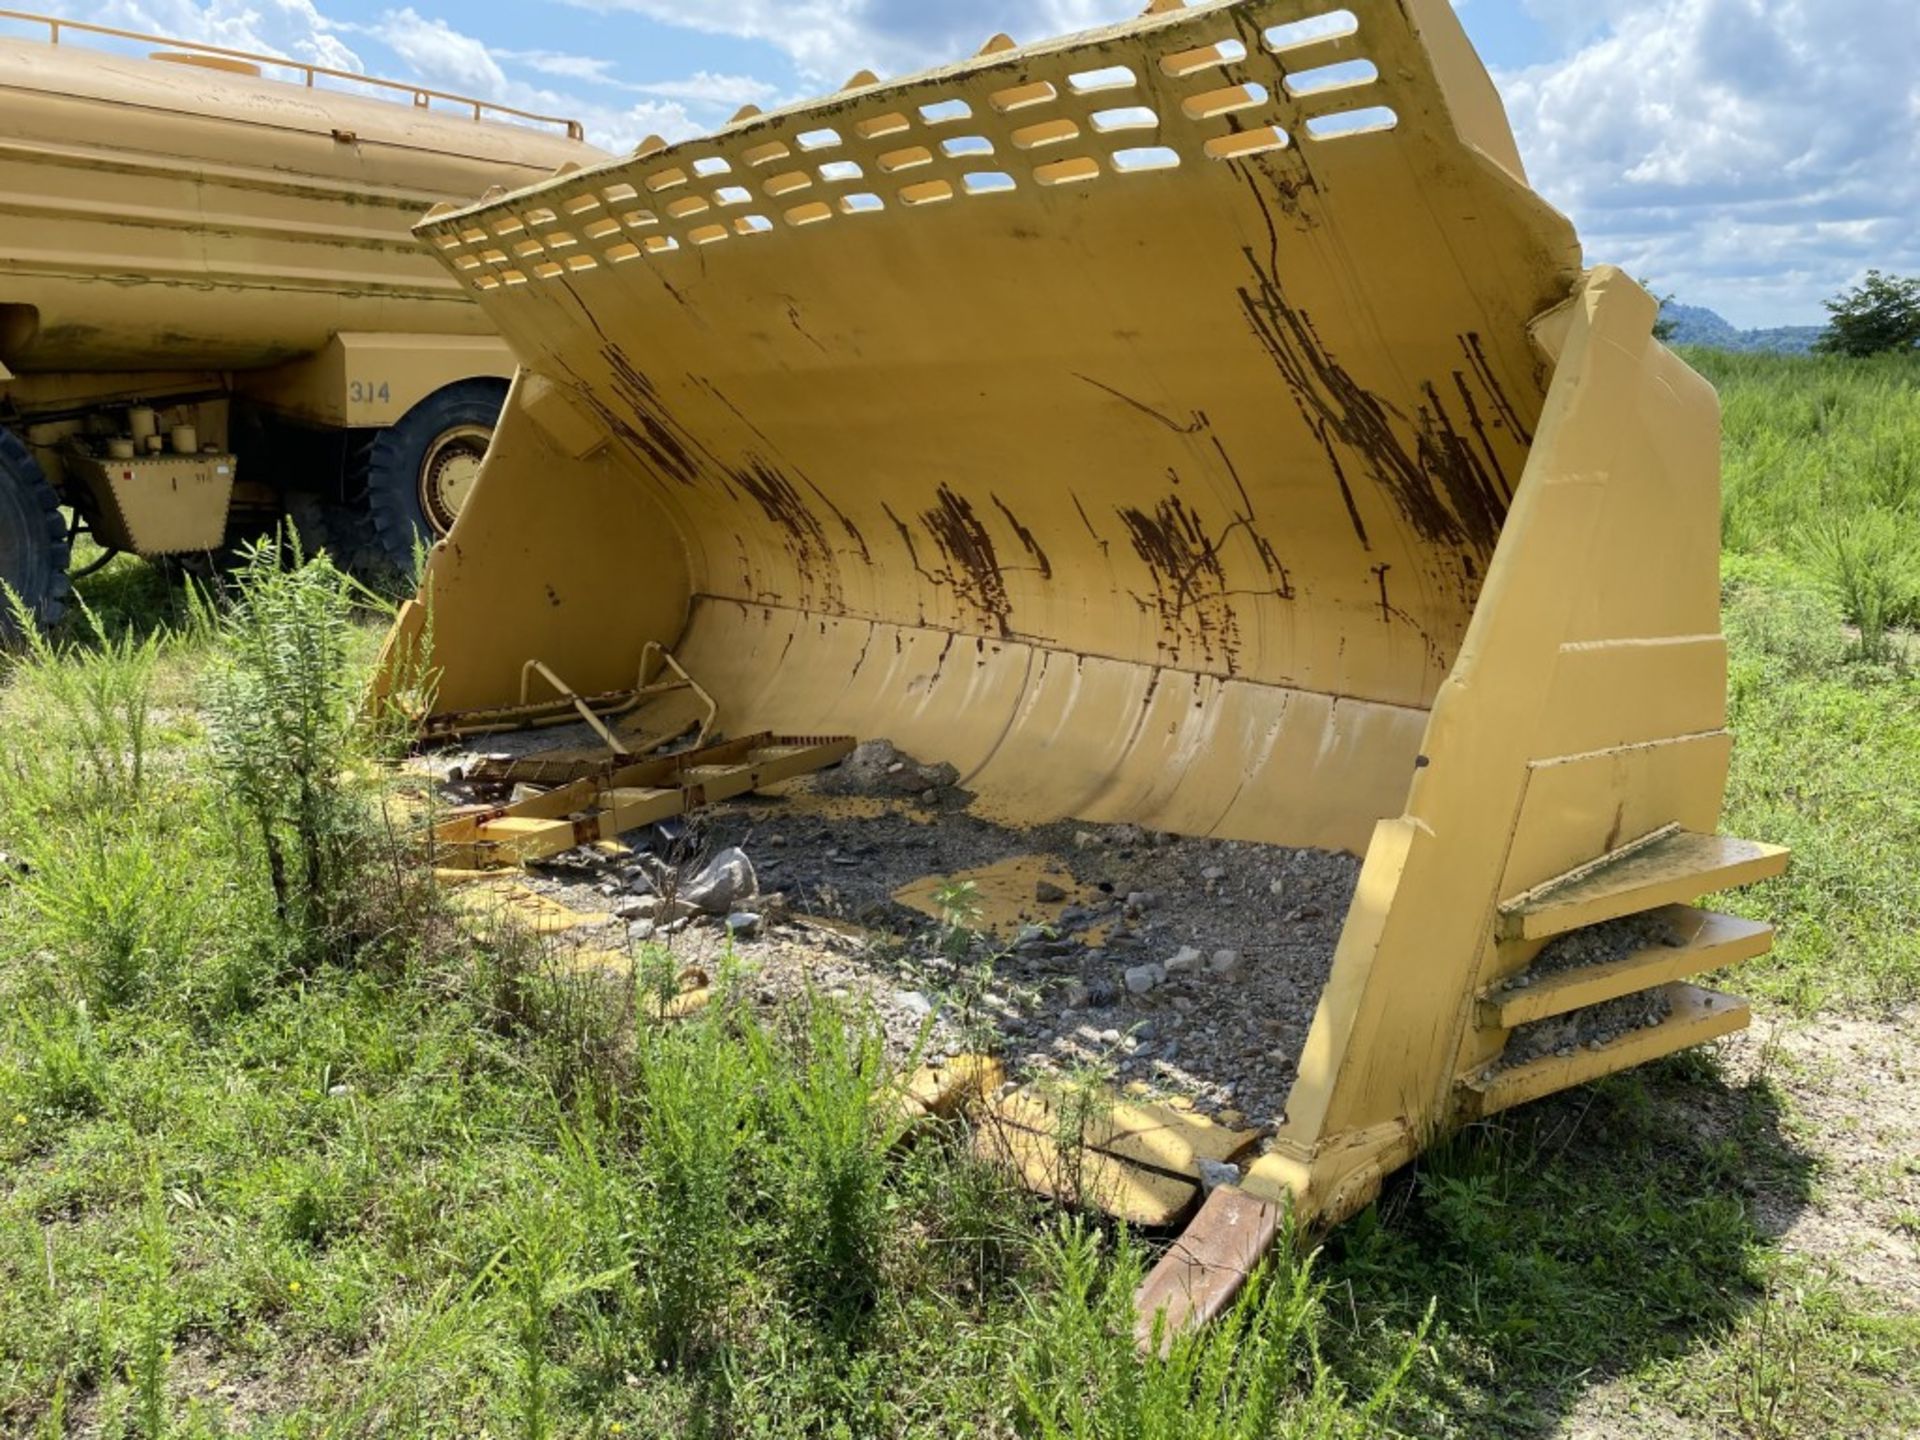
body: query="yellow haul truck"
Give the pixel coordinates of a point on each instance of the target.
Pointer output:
(212, 312)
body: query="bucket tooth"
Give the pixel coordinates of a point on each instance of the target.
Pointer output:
(1697, 1017)
(1676, 867)
(1200, 1276)
(1702, 941)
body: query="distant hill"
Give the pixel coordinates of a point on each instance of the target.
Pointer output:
(1697, 325)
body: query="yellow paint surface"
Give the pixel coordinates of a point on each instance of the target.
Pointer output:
(1003, 893)
(515, 904)
(1087, 1178)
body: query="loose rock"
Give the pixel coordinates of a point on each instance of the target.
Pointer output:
(913, 1002)
(726, 880)
(1215, 1173)
(1185, 962)
(878, 767)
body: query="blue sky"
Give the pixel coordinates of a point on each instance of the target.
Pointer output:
(1751, 155)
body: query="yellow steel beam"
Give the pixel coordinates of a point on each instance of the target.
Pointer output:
(1702, 941)
(1678, 868)
(1698, 1016)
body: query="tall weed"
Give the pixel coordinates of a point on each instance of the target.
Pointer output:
(282, 704)
(151, 1348)
(1779, 620)
(59, 1066)
(589, 1173)
(115, 903)
(1869, 562)
(101, 698)
(830, 1137)
(1822, 468)
(694, 1096)
(1256, 1375)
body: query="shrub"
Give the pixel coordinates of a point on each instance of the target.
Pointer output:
(115, 904)
(831, 1132)
(694, 1093)
(102, 697)
(1256, 1374)
(1866, 560)
(283, 713)
(1775, 615)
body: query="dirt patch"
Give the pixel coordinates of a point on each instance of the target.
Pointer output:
(1854, 1092)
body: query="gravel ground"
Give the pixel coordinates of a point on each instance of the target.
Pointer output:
(1596, 1025)
(1590, 1028)
(1176, 966)
(1601, 945)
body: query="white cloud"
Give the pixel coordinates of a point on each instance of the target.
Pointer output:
(590, 68)
(705, 88)
(441, 55)
(294, 28)
(1753, 155)
(450, 59)
(828, 40)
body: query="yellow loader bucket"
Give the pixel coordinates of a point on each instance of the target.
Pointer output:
(1197, 423)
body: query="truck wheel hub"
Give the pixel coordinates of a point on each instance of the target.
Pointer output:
(448, 471)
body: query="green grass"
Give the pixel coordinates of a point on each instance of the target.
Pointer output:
(1822, 469)
(278, 1168)
(1827, 761)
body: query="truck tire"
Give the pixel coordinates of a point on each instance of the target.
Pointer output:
(416, 473)
(34, 544)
